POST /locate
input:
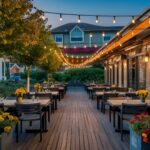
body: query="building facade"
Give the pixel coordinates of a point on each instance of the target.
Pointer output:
(126, 57)
(83, 37)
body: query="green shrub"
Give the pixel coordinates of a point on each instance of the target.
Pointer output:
(83, 75)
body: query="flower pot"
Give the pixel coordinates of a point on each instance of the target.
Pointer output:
(6, 140)
(143, 99)
(19, 99)
(136, 142)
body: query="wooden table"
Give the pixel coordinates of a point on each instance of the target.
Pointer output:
(114, 105)
(119, 102)
(43, 102)
(11, 103)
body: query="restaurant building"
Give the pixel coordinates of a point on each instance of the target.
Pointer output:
(126, 57)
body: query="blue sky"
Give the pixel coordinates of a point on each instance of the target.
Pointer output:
(100, 7)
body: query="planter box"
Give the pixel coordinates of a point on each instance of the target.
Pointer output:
(6, 140)
(136, 142)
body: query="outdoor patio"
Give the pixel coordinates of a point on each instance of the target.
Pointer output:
(76, 125)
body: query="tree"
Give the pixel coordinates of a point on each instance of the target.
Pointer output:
(24, 36)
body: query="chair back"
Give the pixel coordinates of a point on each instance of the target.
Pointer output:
(107, 95)
(28, 108)
(11, 98)
(42, 95)
(133, 108)
(1, 107)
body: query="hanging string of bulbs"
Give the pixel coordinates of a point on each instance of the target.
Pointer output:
(79, 16)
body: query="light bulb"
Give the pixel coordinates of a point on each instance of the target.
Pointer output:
(60, 18)
(133, 20)
(114, 19)
(79, 20)
(97, 20)
(103, 34)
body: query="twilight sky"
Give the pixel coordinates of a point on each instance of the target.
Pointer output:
(96, 7)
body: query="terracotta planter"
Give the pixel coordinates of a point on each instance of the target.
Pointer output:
(136, 142)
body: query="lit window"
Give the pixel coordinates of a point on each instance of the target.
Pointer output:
(76, 35)
(59, 38)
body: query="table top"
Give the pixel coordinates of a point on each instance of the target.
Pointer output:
(11, 103)
(117, 92)
(119, 102)
(50, 92)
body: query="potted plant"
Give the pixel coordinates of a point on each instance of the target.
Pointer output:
(7, 122)
(37, 87)
(140, 132)
(20, 92)
(142, 94)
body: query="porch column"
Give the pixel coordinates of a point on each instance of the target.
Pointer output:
(125, 73)
(115, 73)
(148, 76)
(120, 73)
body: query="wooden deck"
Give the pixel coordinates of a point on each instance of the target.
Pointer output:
(76, 125)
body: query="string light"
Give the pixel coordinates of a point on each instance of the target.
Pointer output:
(95, 46)
(60, 17)
(97, 19)
(79, 19)
(84, 46)
(114, 19)
(91, 35)
(133, 20)
(65, 47)
(103, 34)
(118, 33)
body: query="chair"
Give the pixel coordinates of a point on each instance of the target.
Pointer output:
(114, 109)
(106, 97)
(29, 112)
(45, 96)
(127, 111)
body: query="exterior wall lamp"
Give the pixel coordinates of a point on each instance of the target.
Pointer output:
(146, 58)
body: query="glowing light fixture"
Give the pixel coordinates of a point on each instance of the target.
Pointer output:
(91, 35)
(114, 19)
(133, 20)
(103, 34)
(97, 19)
(146, 58)
(60, 17)
(79, 19)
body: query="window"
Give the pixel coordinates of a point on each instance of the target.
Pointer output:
(76, 35)
(107, 38)
(59, 38)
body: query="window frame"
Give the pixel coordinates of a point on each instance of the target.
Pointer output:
(77, 37)
(61, 36)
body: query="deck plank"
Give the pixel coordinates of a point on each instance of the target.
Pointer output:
(76, 125)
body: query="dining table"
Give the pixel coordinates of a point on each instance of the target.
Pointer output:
(115, 106)
(9, 103)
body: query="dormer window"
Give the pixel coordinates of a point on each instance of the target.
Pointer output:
(76, 35)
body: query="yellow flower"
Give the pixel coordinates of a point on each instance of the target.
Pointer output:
(7, 129)
(15, 119)
(5, 114)
(1, 118)
(20, 92)
(10, 117)
(37, 86)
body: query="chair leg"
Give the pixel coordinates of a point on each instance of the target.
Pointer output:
(49, 113)
(114, 118)
(17, 134)
(121, 123)
(41, 126)
(21, 126)
(109, 113)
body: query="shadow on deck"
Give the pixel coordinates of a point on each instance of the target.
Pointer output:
(76, 125)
